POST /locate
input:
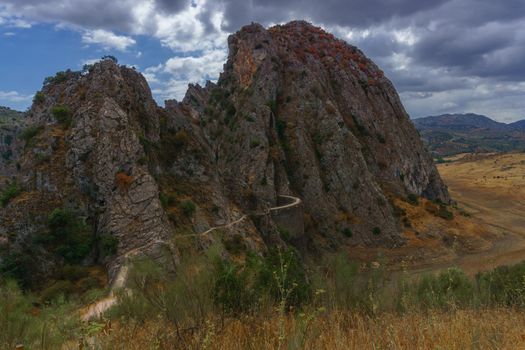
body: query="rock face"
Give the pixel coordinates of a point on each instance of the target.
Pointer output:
(11, 125)
(296, 112)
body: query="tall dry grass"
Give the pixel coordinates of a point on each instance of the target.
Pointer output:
(500, 328)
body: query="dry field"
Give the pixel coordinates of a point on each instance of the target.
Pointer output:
(492, 189)
(461, 329)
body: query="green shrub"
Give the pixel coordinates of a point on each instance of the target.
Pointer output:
(107, 244)
(59, 77)
(50, 328)
(15, 310)
(234, 245)
(59, 289)
(110, 58)
(413, 199)
(18, 266)
(280, 125)
(183, 299)
(284, 233)
(503, 286)
(272, 277)
(68, 235)
(450, 289)
(255, 143)
(62, 115)
(376, 231)
(168, 199)
(444, 213)
(10, 192)
(188, 207)
(229, 290)
(39, 97)
(347, 232)
(273, 106)
(73, 272)
(30, 132)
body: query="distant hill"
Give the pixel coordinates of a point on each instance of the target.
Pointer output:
(450, 134)
(519, 125)
(8, 115)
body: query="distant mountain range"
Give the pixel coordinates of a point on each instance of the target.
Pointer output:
(8, 115)
(450, 134)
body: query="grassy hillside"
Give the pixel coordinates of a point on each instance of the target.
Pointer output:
(451, 134)
(226, 307)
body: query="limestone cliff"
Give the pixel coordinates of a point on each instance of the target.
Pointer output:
(295, 113)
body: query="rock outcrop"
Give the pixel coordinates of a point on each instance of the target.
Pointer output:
(11, 144)
(296, 112)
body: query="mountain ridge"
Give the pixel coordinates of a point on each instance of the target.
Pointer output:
(296, 112)
(449, 134)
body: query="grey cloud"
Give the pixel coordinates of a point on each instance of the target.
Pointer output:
(93, 14)
(460, 43)
(171, 6)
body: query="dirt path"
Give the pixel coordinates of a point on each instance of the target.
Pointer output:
(98, 308)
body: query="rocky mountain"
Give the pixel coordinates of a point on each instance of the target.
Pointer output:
(11, 124)
(302, 141)
(450, 134)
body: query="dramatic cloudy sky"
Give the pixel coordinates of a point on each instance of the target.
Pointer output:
(442, 55)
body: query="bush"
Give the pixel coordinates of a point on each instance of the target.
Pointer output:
(69, 236)
(39, 97)
(108, 244)
(229, 290)
(15, 320)
(110, 58)
(347, 232)
(48, 327)
(18, 266)
(284, 233)
(444, 213)
(280, 125)
(272, 104)
(59, 77)
(9, 193)
(234, 245)
(183, 299)
(188, 207)
(503, 286)
(255, 143)
(30, 132)
(167, 199)
(413, 199)
(62, 115)
(450, 289)
(59, 289)
(376, 231)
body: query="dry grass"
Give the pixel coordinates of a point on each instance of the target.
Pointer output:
(484, 329)
(490, 187)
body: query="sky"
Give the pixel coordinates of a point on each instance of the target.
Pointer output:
(443, 56)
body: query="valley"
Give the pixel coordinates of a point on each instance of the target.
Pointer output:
(491, 188)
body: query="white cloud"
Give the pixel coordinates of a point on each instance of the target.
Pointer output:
(90, 61)
(14, 96)
(107, 39)
(171, 79)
